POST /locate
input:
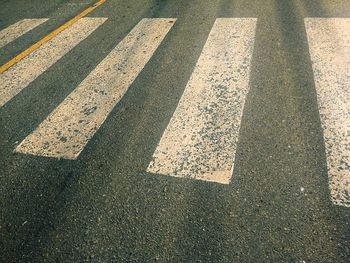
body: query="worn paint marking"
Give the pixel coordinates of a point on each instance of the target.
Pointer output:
(18, 29)
(329, 43)
(201, 139)
(24, 72)
(47, 38)
(70, 126)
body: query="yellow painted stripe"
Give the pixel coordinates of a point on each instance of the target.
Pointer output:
(20, 75)
(54, 33)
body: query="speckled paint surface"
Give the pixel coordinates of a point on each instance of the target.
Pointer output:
(201, 139)
(20, 75)
(329, 41)
(72, 124)
(104, 207)
(18, 29)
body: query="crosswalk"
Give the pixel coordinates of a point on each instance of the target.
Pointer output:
(20, 75)
(202, 136)
(329, 40)
(201, 139)
(64, 135)
(18, 29)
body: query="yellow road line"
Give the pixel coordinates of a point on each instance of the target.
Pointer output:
(45, 39)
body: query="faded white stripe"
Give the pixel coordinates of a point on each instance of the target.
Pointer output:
(20, 75)
(329, 43)
(70, 126)
(201, 139)
(18, 29)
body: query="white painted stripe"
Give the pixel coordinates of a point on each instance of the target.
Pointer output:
(18, 29)
(70, 126)
(329, 43)
(201, 139)
(20, 75)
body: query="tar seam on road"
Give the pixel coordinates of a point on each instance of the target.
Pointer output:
(45, 39)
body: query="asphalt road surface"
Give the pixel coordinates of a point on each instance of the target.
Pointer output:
(175, 131)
